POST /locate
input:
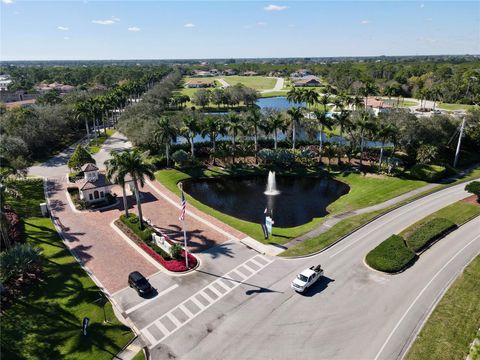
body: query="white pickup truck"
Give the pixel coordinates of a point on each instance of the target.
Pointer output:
(306, 278)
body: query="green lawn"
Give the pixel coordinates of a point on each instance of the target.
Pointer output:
(96, 144)
(274, 94)
(455, 321)
(255, 82)
(391, 255)
(458, 213)
(383, 189)
(46, 322)
(453, 107)
(370, 190)
(140, 356)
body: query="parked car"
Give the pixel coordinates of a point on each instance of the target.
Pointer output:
(436, 112)
(307, 278)
(138, 282)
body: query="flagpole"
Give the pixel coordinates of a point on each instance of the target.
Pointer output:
(184, 232)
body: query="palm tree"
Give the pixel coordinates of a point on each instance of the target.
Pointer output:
(212, 127)
(295, 95)
(369, 88)
(254, 119)
(385, 132)
(234, 126)
(276, 122)
(7, 188)
(364, 124)
(134, 164)
(324, 100)
(342, 120)
(357, 102)
(296, 115)
(324, 122)
(310, 97)
(164, 133)
(83, 110)
(190, 129)
(116, 173)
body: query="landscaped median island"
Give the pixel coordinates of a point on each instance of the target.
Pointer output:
(143, 238)
(43, 319)
(453, 325)
(399, 252)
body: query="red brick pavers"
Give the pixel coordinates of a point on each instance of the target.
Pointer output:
(109, 256)
(90, 236)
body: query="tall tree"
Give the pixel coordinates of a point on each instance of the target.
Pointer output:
(296, 116)
(254, 119)
(369, 88)
(134, 164)
(212, 126)
(323, 122)
(190, 129)
(116, 173)
(234, 126)
(276, 122)
(164, 133)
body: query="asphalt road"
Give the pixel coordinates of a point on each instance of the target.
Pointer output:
(240, 306)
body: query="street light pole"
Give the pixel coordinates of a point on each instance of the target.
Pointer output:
(459, 143)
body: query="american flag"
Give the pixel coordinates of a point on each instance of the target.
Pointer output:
(184, 206)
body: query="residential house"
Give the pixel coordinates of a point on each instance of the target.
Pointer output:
(199, 83)
(301, 73)
(201, 73)
(250, 73)
(377, 105)
(229, 72)
(5, 81)
(307, 81)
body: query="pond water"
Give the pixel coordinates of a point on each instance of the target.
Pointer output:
(277, 103)
(300, 200)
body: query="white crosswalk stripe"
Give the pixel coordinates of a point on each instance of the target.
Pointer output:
(258, 260)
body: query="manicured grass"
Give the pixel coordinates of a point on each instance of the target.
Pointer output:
(140, 356)
(274, 94)
(255, 82)
(96, 144)
(391, 256)
(453, 107)
(46, 322)
(370, 190)
(337, 231)
(457, 213)
(455, 321)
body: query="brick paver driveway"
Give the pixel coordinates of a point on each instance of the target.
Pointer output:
(106, 254)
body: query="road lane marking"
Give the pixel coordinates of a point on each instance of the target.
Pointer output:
(212, 288)
(139, 305)
(148, 335)
(383, 224)
(200, 293)
(421, 293)
(223, 285)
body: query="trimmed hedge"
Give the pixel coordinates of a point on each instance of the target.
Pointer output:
(428, 233)
(428, 172)
(391, 256)
(133, 222)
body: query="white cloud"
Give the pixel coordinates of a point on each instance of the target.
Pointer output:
(365, 22)
(261, 23)
(63, 28)
(134, 29)
(111, 21)
(7, 1)
(189, 25)
(422, 6)
(275, 8)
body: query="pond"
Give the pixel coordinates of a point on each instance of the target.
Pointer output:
(277, 103)
(300, 199)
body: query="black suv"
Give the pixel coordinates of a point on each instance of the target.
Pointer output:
(139, 283)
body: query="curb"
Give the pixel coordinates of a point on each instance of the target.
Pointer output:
(395, 207)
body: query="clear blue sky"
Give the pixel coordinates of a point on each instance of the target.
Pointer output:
(45, 30)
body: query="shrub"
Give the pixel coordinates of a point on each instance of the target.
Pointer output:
(18, 260)
(266, 156)
(429, 232)
(180, 157)
(79, 158)
(474, 188)
(176, 251)
(391, 256)
(427, 172)
(133, 224)
(15, 226)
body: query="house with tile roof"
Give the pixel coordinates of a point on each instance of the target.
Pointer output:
(94, 186)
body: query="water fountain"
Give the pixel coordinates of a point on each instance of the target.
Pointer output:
(271, 184)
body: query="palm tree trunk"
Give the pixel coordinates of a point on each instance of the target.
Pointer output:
(233, 153)
(381, 157)
(321, 145)
(256, 147)
(86, 127)
(167, 154)
(361, 151)
(293, 135)
(139, 204)
(212, 137)
(275, 139)
(125, 203)
(192, 147)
